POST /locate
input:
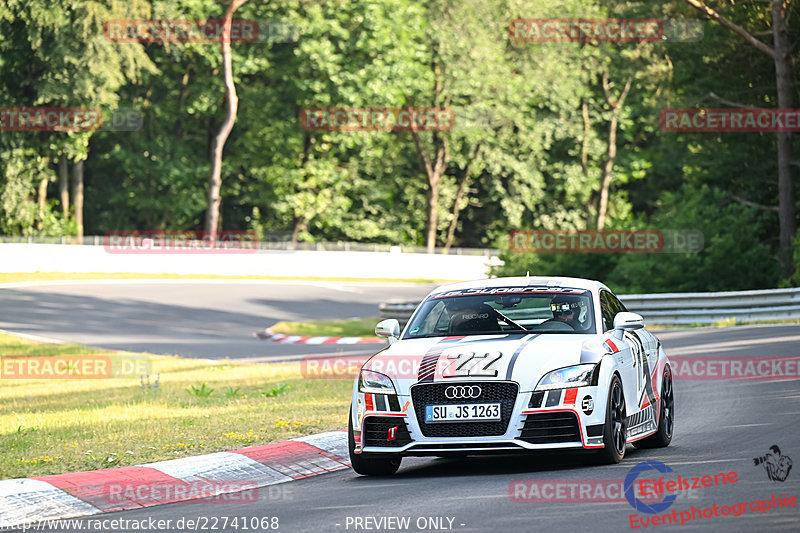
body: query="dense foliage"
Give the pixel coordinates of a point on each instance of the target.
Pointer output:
(535, 124)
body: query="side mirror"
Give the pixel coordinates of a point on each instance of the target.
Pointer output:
(388, 329)
(628, 321)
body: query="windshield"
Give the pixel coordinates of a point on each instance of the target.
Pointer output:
(506, 310)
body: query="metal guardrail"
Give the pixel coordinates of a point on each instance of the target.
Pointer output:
(680, 308)
(399, 309)
(712, 307)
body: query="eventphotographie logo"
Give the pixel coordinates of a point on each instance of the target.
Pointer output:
(638, 503)
(777, 466)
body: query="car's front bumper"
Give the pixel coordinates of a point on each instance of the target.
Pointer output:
(551, 420)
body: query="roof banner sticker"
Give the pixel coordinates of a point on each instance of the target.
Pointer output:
(510, 290)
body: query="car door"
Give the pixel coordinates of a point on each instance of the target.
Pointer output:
(645, 355)
(625, 358)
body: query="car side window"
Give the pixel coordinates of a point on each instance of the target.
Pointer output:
(616, 304)
(606, 308)
(437, 320)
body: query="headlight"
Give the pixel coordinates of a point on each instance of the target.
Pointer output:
(375, 382)
(564, 378)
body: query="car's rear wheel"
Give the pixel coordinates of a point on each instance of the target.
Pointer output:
(370, 464)
(615, 432)
(666, 418)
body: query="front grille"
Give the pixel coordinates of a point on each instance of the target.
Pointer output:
(502, 392)
(551, 428)
(376, 432)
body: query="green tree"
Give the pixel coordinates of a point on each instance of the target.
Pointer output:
(55, 54)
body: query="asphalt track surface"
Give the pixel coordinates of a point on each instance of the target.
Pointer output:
(720, 427)
(210, 319)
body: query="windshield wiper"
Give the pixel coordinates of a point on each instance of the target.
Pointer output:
(509, 321)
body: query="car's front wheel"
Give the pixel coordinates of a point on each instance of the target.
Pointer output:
(666, 418)
(615, 432)
(370, 464)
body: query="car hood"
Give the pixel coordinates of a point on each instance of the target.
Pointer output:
(524, 358)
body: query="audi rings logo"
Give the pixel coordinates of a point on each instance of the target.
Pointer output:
(462, 391)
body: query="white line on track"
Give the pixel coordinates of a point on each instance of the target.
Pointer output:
(132, 281)
(705, 461)
(334, 287)
(36, 338)
(339, 507)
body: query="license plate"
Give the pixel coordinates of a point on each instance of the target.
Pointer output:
(469, 412)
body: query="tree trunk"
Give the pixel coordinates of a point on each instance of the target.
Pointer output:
(451, 231)
(463, 189)
(77, 196)
(587, 128)
(301, 219)
(783, 85)
(434, 173)
(182, 95)
(611, 154)
(63, 185)
(42, 203)
(608, 169)
(300, 225)
(783, 79)
(218, 143)
(432, 196)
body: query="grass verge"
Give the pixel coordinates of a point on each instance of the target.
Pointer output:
(354, 327)
(11, 277)
(52, 426)
(727, 323)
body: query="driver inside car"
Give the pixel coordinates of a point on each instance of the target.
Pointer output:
(566, 309)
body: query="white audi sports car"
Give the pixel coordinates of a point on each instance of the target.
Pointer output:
(512, 364)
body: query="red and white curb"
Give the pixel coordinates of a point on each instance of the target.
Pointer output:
(298, 339)
(29, 500)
